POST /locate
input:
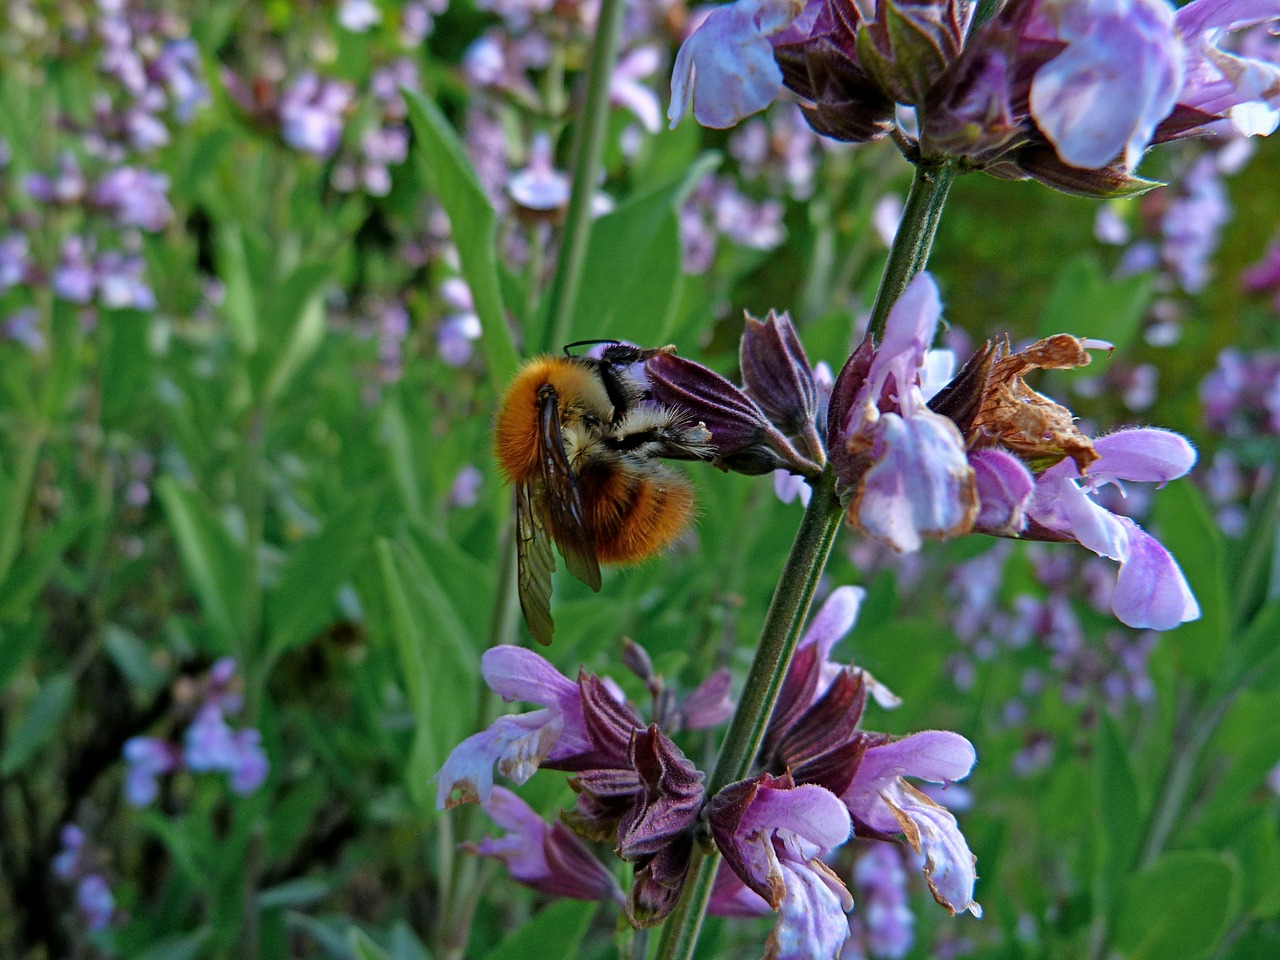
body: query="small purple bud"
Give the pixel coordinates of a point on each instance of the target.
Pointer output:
(744, 439)
(777, 375)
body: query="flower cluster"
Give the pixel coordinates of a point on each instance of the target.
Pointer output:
(820, 779)
(208, 745)
(1068, 93)
(75, 864)
(985, 453)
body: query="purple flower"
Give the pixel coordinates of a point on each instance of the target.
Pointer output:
(1117, 77)
(210, 743)
(311, 113)
(626, 90)
(726, 69)
(518, 743)
(94, 902)
(883, 924)
(546, 857)
(773, 835)
(120, 283)
(460, 329)
(146, 758)
(14, 260)
(906, 463)
(65, 188)
(136, 198)
(249, 765)
(66, 865)
(23, 327)
(465, 491)
(1192, 224)
(1151, 591)
(539, 187)
(1240, 85)
(881, 800)
(358, 15)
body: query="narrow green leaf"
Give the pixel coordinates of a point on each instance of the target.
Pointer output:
(554, 933)
(126, 364)
(181, 947)
(1177, 907)
(474, 226)
(363, 947)
(1187, 529)
(1117, 807)
(301, 892)
(399, 446)
(238, 303)
(133, 659)
(632, 278)
(40, 723)
(408, 632)
(405, 944)
(212, 559)
(303, 599)
(302, 301)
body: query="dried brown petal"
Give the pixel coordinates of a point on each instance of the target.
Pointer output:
(1011, 414)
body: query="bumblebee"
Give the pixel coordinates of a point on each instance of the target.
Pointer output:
(580, 440)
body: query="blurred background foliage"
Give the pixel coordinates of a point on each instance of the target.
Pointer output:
(245, 396)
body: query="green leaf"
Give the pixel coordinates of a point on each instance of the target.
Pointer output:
(126, 364)
(133, 659)
(399, 446)
(1187, 529)
(1177, 907)
(238, 302)
(301, 892)
(1085, 303)
(632, 276)
(1118, 809)
(553, 934)
(363, 948)
(405, 944)
(474, 226)
(40, 723)
(213, 561)
(438, 676)
(301, 306)
(303, 599)
(181, 947)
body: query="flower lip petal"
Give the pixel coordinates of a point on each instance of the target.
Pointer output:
(1151, 592)
(1145, 454)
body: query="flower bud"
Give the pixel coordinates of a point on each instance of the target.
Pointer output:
(910, 43)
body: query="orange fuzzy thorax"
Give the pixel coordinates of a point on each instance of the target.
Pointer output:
(516, 440)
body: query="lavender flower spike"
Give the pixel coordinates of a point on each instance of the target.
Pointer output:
(1151, 591)
(726, 68)
(1117, 78)
(544, 856)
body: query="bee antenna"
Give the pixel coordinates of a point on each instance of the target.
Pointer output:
(587, 343)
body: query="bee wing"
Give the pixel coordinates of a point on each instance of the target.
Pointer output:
(534, 566)
(563, 499)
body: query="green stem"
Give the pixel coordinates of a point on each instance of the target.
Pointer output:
(778, 640)
(589, 149)
(799, 579)
(914, 239)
